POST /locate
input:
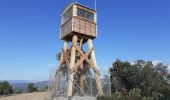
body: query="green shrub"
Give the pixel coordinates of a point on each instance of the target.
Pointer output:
(5, 88)
(31, 88)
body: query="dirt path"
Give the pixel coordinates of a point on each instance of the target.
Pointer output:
(27, 96)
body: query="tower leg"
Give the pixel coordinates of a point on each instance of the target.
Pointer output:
(82, 73)
(65, 49)
(72, 63)
(59, 72)
(82, 81)
(98, 82)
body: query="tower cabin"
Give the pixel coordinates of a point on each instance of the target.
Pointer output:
(80, 20)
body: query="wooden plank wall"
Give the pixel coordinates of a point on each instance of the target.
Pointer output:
(79, 25)
(66, 28)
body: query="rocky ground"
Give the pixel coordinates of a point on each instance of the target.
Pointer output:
(27, 96)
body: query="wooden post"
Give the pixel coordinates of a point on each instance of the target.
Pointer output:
(98, 82)
(65, 49)
(82, 74)
(59, 73)
(72, 63)
(82, 84)
(81, 80)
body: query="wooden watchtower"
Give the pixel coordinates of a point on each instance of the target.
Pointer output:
(79, 25)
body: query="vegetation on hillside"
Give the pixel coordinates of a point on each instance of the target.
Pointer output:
(44, 89)
(141, 80)
(32, 87)
(5, 88)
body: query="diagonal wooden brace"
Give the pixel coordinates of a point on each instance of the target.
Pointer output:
(92, 65)
(64, 60)
(85, 56)
(65, 56)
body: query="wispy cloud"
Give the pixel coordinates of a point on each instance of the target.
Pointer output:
(51, 65)
(169, 68)
(155, 62)
(158, 61)
(104, 70)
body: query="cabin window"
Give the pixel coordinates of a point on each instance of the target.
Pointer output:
(67, 15)
(85, 14)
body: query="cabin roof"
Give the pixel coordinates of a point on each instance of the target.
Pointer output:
(78, 4)
(84, 6)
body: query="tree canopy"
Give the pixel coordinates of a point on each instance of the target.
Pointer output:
(142, 78)
(5, 88)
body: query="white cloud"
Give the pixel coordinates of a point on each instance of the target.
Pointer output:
(155, 62)
(158, 61)
(104, 70)
(51, 65)
(169, 68)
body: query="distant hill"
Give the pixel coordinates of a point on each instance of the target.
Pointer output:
(22, 84)
(24, 81)
(41, 84)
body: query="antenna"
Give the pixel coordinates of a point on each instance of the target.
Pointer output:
(95, 5)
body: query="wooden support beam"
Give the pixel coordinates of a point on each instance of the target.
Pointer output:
(66, 58)
(81, 43)
(82, 74)
(98, 82)
(85, 56)
(82, 84)
(77, 64)
(87, 59)
(72, 62)
(59, 72)
(81, 80)
(65, 54)
(93, 66)
(80, 61)
(64, 48)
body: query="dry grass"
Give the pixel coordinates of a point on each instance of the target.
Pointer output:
(27, 96)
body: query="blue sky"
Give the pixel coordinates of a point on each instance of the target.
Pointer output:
(127, 29)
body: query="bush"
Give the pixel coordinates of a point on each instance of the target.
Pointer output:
(134, 94)
(5, 88)
(31, 88)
